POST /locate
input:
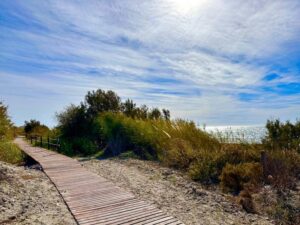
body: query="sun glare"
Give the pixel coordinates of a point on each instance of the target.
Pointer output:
(186, 6)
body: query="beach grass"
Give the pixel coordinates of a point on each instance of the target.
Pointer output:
(10, 153)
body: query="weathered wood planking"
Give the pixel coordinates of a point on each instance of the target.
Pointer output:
(92, 199)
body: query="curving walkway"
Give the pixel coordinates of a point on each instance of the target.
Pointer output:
(90, 198)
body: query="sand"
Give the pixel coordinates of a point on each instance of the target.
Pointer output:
(173, 192)
(28, 197)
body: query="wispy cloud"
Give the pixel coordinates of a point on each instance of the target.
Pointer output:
(216, 62)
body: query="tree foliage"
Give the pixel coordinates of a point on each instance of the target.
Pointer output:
(78, 124)
(282, 136)
(34, 127)
(73, 121)
(5, 123)
(155, 114)
(166, 114)
(129, 108)
(102, 101)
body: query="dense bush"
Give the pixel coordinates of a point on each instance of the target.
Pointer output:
(18, 131)
(81, 124)
(282, 169)
(209, 164)
(34, 127)
(235, 178)
(73, 121)
(204, 169)
(79, 146)
(102, 101)
(180, 153)
(282, 136)
(122, 133)
(103, 123)
(176, 143)
(10, 153)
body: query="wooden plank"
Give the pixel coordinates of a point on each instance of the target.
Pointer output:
(90, 198)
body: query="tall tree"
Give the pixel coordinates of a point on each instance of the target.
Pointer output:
(34, 127)
(102, 101)
(166, 114)
(155, 113)
(129, 108)
(142, 112)
(73, 121)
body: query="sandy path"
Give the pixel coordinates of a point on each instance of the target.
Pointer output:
(173, 193)
(28, 197)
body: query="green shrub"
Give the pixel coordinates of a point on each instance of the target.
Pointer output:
(208, 165)
(188, 131)
(179, 154)
(203, 169)
(239, 153)
(34, 128)
(123, 133)
(6, 131)
(10, 153)
(77, 132)
(282, 136)
(235, 178)
(175, 143)
(78, 146)
(103, 125)
(178, 143)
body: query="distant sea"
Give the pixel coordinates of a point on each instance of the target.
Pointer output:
(252, 134)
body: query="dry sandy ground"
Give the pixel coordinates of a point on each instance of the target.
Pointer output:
(28, 197)
(173, 193)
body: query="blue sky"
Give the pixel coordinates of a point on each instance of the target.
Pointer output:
(213, 61)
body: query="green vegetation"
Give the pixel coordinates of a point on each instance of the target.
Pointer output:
(39, 133)
(282, 136)
(235, 178)
(84, 129)
(6, 131)
(172, 142)
(9, 152)
(35, 128)
(208, 165)
(103, 125)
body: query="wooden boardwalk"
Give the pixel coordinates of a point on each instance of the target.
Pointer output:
(90, 198)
